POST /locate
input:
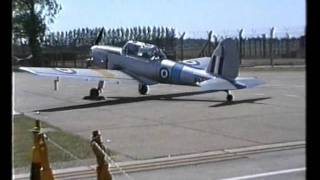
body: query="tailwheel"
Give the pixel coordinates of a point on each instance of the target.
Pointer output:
(143, 89)
(229, 96)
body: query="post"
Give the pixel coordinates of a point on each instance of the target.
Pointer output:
(209, 44)
(40, 167)
(288, 45)
(36, 158)
(240, 45)
(56, 83)
(46, 172)
(181, 42)
(101, 152)
(100, 86)
(271, 48)
(264, 45)
(215, 40)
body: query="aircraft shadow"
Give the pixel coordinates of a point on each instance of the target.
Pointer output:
(125, 100)
(226, 103)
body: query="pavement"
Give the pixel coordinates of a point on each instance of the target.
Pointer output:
(171, 120)
(267, 166)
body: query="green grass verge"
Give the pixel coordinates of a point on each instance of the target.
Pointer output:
(23, 141)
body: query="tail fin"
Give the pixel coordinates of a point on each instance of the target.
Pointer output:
(225, 60)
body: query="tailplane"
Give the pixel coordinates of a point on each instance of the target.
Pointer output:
(225, 60)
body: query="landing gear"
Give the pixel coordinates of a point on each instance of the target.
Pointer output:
(229, 96)
(94, 93)
(143, 89)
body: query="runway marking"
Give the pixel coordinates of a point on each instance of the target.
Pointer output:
(259, 94)
(268, 174)
(291, 95)
(283, 85)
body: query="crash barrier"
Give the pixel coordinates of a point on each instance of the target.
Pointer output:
(40, 167)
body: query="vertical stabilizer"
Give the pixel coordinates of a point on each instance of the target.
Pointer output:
(225, 60)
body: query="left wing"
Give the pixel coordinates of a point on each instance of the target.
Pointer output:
(89, 74)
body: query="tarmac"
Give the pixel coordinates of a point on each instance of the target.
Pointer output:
(172, 120)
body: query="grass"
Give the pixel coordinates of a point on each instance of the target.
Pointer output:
(23, 141)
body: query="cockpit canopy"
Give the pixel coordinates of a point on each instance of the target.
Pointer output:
(143, 50)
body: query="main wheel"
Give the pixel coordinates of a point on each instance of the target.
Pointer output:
(143, 89)
(229, 97)
(94, 92)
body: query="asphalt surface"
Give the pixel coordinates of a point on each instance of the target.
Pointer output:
(171, 120)
(279, 165)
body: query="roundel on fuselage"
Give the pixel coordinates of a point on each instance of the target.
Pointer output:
(164, 73)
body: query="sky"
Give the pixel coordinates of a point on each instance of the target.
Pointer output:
(195, 17)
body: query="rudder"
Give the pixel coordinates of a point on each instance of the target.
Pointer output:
(225, 60)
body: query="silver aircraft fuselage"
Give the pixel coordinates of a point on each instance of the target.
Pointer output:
(157, 70)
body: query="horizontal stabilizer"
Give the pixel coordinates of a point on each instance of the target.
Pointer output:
(218, 84)
(221, 84)
(249, 82)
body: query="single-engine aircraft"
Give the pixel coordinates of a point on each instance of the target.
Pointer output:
(148, 65)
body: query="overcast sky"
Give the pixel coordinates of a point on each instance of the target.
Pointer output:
(195, 17)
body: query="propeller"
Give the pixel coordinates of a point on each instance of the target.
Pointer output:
(99, 36)
(96, 42)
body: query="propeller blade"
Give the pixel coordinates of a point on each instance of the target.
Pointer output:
(99, 37)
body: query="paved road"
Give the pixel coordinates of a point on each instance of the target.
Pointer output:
(171, 120)
(279, 165)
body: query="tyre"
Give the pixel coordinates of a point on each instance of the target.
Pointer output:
(94, 92)
(143, 89)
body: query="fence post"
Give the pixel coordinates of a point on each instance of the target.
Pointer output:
(288, 45)
(209, 43)
(264, 45)
(271, 48)
(255, 47)
(215, 39)
(240, 45)
(181, 41)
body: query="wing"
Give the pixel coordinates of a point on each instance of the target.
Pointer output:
(198, 63)
(218, 83)
(88, 74)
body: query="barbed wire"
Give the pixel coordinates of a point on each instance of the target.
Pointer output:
(283, 31)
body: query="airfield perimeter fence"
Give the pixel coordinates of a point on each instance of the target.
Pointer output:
(71, 49)
(256, 49)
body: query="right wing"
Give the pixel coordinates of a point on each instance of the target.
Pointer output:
(88, 74)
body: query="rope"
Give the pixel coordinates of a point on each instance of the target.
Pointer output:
(75, 157)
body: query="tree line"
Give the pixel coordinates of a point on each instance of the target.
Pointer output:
(116, 36)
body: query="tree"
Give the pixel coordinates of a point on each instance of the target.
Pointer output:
(30, 19)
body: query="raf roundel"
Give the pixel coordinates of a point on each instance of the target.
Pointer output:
(66, 70)
(164, 73)
(191, 62)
